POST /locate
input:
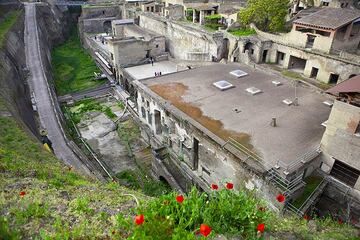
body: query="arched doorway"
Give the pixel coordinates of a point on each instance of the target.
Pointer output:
(352, 75)
(107, 26)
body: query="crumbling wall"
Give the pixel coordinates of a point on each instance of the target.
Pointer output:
(214, 163)
(183, 42)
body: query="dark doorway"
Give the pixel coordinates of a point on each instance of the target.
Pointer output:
(314, 72)
(157, 116)
(297, 63)
(352, 75)
(147, 54)
(248, 46)
(310, 41)
(280, 57)
(225, 51)
(264, 55)
(107, 26)
(196, 154)
(333, 78)
(345, 173)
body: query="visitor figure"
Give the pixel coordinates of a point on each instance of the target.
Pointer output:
(160, 73)
(152, 61)
(155, 74)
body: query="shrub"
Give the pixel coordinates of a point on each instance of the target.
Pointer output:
(225, 211)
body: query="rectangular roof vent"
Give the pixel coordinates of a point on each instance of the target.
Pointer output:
(253, 90)
(238, 73)
(328, 103)
(223, 85)
(287, 102)
(276, 83)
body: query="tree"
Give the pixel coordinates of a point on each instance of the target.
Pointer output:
(268, 15)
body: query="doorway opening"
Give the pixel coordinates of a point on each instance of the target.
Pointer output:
(314, 72)
(333, 78)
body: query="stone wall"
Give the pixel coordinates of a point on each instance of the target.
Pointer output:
(203, 165)
(339, 140)
(183, 42)
(133, 51)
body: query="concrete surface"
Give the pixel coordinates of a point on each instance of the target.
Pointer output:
(39, 85)
(147, 70)
(100, 132)
(299, 128)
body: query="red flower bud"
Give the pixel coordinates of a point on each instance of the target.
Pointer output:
(205, 230)
(139, 219)
(22, 193)
(262, 209)
(280, 198)
(229, 186)
(180, 198)
(307, 217)
(214, 187)
(261, 227)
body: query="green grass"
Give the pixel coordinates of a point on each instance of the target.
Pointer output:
(311, 183)
(73, 67)
(213, 26)
(59, 203)
(6, 23)
(89, 105)
(242, 32)
(292, 74)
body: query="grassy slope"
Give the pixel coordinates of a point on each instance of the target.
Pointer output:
(58, 202)
(73, 67)
(6, 24)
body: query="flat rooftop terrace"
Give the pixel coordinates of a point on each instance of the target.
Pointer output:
(236, 113)
(148, 71)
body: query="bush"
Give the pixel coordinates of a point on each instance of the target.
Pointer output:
(225, 211)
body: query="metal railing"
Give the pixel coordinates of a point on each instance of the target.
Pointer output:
(300, 211)
(287, 186)
(307, 157)
(243, 149)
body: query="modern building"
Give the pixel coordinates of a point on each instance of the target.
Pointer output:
(231, 123)
(324, 45)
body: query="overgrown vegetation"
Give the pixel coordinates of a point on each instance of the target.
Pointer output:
(311, 184)
(212, 22)
(73, 66)
(139, 180)
(242, 32)
(189, 14)
(89, 105)
(6, 23)
(41, 198)
(268, 15)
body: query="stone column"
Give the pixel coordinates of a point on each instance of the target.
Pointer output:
(194, 15)
(201, 18)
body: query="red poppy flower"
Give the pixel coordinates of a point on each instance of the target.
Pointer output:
(340, 221)
(262, 209)
(214, 187)
(229, 186)
(280, 198)
(261, 227)
(307, 217)
(180, 198)
(139, 219)
(22, 193)
(205, 230)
